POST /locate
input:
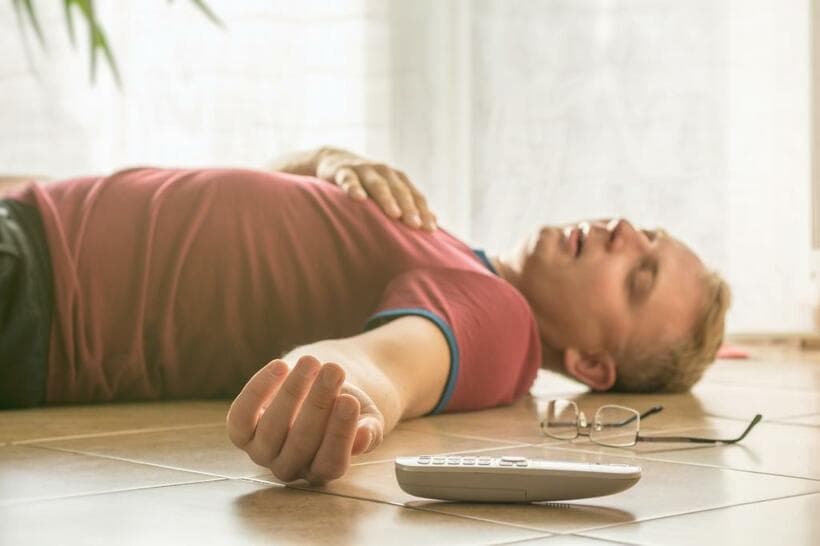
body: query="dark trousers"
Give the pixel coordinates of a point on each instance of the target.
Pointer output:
(26, 304)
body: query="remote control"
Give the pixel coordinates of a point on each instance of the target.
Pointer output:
(510, 479)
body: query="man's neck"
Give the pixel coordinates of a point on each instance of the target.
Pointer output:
(505, 270)
(510, 271)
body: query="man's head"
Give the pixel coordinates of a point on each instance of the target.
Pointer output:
(619, 307)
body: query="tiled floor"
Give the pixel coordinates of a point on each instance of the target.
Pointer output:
(166, 473)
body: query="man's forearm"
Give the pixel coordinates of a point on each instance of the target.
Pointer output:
(361, 371)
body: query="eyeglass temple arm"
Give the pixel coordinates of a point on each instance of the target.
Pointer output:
(651, 411)
(697, 440)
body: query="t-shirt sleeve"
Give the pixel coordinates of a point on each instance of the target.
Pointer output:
(495, 350)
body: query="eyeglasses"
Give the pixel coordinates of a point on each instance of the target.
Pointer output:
(614, 426)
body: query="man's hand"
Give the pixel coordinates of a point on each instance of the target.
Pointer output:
(389, 187)
(305, 423)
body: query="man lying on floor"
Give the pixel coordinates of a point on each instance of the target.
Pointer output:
(159, 284)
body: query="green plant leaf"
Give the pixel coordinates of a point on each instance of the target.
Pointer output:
(25, 5)
(98, 43)
(207, 11)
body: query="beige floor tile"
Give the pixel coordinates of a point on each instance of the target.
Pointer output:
(772, 448)
(238, 512)
(565, 540)
(665, 489)
(201, 449)
(791, 521)
(717, 400)
(207, 449)
(62, 421)
(515, 423)
(807, 420)
(771, 374)
(405, 441)
(409, 442)
(28, 473)
(763, 450)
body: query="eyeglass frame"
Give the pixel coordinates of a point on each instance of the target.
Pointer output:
(586, 426)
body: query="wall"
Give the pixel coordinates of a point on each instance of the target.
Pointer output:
(280, 76)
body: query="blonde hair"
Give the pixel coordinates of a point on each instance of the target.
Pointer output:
(677, 368)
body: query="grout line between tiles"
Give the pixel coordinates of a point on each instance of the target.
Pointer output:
(127, 460)
(577, 532)
(461, 436)
(551, 535)
(522, 540)
(442, 453)
(30, 500)
(690, 512)
(648, 457)
(738, 384)
(399, 505)
(113, 433)
(800, 416)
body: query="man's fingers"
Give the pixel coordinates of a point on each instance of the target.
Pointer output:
(401, 192)
(369, 435)
(428, 219)
(305, 436)
(379, 189)
(333, 458)
(347, 179)
(274, 425)
(252, 400)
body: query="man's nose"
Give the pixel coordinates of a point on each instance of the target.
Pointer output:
(624, 236)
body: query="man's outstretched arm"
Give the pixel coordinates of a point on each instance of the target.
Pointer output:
(304, 415)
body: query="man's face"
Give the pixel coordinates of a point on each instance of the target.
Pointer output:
(602, 286)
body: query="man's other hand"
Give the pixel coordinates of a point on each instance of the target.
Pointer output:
(304, 423)
(389, 187)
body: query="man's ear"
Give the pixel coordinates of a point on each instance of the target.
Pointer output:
(596, 370)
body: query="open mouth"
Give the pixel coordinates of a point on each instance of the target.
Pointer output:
(574, 238)
(580, 242)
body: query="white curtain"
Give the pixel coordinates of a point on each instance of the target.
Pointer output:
(508, 113)
(689, 115)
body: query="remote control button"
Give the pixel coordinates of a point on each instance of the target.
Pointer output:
(521, 463)
(424, 458)
(424, 461)
(513, 459)
(505, 463)
(468, 463)
(483, 462)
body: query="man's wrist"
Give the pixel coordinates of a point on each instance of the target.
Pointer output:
(360, 371)
(305, 163)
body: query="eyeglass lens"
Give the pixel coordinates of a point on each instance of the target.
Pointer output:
(562, 419)
(615, 426)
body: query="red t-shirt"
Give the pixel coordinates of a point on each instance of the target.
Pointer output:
(183, 283)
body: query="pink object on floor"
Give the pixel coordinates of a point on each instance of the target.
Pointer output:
(730, 351)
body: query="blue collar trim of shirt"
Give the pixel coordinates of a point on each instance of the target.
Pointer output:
(483, 257)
